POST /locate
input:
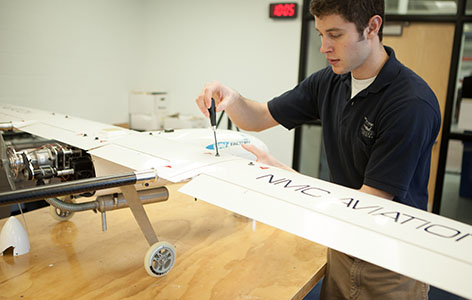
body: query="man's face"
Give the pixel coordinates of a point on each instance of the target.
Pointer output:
(345, 50)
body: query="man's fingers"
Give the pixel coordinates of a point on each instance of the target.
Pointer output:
(264, 157)
(216, 91)
(201, 105)
(254, 150)
(207, 94)
(202, 108)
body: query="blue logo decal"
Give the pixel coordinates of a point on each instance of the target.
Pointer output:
(224, 145)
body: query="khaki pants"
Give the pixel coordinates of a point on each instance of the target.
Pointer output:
(350, 278)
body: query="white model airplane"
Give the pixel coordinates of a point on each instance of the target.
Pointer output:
(415, 243)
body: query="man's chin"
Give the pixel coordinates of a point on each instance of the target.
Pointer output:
(338, 70)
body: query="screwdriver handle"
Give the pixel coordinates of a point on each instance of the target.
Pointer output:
(212, 111)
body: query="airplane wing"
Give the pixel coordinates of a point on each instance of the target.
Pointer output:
(415, 243)
(134, 150)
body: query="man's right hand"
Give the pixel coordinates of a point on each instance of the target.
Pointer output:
(245, 113)
(223, 95)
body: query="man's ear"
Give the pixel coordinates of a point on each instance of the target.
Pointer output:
(373, 27)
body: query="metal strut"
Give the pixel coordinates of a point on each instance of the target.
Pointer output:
(136, 206)
(125, 181)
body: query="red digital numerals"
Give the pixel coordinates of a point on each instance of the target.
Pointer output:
(283, 10)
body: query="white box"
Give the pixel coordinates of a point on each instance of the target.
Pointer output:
(147, 110)
(179, 121)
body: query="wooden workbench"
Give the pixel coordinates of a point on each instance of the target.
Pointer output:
(219, 256)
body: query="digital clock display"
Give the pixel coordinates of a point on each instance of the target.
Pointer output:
(283, 10)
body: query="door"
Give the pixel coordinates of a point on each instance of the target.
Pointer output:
(426, 48)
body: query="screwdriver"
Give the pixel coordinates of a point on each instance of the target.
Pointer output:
(212, 111)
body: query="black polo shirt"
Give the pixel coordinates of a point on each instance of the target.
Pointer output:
(381, 138)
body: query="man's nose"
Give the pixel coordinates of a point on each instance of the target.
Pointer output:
(325, 46)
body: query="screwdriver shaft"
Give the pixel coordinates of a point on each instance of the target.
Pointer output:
(216, 143)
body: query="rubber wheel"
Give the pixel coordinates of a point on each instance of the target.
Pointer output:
(159, 259)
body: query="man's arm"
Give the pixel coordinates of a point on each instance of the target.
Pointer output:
(251, 115)
(268, 159)
(376, 192)
(245, 113)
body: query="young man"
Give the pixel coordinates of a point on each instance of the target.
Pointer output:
(379, 119)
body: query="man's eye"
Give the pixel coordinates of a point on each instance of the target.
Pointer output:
(335, 36)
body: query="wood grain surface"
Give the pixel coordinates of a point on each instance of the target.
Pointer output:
(219, 256)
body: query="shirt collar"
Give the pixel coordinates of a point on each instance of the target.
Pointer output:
(386, 75)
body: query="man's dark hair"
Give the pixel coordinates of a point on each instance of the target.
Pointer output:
(358, 11)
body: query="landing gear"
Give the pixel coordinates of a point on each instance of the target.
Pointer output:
(159, 259)
(59, 214)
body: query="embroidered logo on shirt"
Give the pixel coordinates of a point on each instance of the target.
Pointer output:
(367, 129)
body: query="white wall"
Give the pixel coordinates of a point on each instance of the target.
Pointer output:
(83, 57)
(77, 57)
